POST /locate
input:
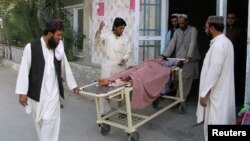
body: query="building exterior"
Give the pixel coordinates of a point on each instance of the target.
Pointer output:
(1, 22)
(75, 16)
(147, 24)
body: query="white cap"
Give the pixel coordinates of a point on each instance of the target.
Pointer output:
(175, 15)
(183, 15)
(216, 19)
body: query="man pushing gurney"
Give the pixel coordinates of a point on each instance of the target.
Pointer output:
(147, 79)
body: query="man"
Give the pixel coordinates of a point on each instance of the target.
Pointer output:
(117, 51)
(238, 37)
(147, 79)
(184, 43)
(170, 33)
(39, 81)
(216, 94)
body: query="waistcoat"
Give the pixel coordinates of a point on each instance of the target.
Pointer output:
(37, 71)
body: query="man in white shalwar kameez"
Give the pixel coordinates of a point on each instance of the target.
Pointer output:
(117, 51)
(45, 106)
(216, 94)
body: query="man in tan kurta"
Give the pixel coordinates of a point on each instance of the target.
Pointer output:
(184, 42)
(216, 94)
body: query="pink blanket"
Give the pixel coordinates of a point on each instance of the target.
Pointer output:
(148, 79)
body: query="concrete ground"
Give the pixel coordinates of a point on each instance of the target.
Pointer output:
(79, 119)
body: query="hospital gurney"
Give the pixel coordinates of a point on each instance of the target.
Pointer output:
(129, 121)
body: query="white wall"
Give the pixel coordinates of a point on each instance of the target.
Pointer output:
(113, 9)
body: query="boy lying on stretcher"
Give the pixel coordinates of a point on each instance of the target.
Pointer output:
(147, 79)
(118, 82)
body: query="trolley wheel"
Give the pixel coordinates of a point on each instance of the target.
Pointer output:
(133, 136)
(156, 103)
(182, 108)
(105, 129)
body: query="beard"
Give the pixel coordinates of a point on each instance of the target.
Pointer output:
(52, 43)
(117, 33)
(183, 27)
(209, 35)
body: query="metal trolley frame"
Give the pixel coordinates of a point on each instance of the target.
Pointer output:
(124, 118)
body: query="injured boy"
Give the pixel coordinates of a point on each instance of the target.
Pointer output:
(118, 82)
(147, 80)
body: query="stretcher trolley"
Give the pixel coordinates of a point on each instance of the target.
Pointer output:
(130, 120)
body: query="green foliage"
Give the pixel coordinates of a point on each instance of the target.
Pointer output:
(78, 42)
(16, 30)
(24, 20)
(68, 41)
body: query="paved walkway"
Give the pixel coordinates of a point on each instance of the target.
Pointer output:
(79, 119)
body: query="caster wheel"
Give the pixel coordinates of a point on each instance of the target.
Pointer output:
(133, 136)
(105, 129)
(182, 108)
(156, 103)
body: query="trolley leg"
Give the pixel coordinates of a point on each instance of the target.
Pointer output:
(98, 113)
(182, 107)
(129, 114)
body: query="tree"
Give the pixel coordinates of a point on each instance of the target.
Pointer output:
(24, 20)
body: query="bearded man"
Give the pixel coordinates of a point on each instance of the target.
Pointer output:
(39, 81)
(216, 105)
(184, 45)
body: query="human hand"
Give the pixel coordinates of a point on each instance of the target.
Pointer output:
(188, 59)
(161, 57)
(126, 78)
(122, 62)
(203, 100)
(129, 67)
(76, 90)
(102, 24)
(23, 99)
(180, 64)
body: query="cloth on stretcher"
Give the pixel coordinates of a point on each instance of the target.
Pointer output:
(148, 79)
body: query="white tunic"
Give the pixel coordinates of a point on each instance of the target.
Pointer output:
(217, 75)
(48, 106)
(116, 49)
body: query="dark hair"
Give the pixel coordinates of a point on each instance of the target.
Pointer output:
(118, 22)
(233, 12)
(173, 17)
(217, 26)
(53, 26)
